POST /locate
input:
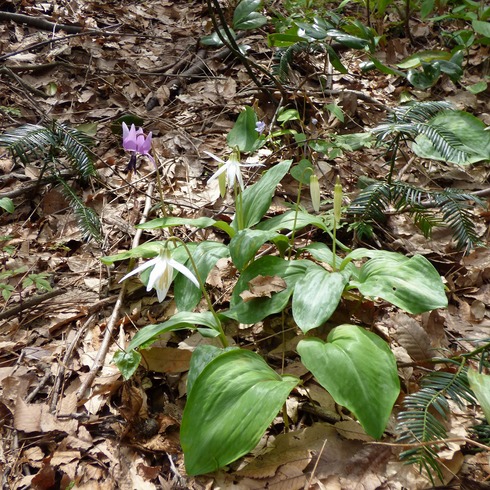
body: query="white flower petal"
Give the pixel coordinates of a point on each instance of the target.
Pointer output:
(158, 271)
(212, 155)
(223, 168)
(142, 267)
(185, 271)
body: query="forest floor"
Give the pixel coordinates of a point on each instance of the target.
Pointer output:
(144, 59)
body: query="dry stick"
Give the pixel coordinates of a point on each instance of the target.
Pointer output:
(432, 443)
(40, 23)
(104, 348)
(30, 303)
(61, 371)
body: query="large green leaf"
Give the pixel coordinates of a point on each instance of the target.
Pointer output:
(257, 198)
(467, 128)
(412, 284)
(205, 256)
(244, 134)
(231, 404)
(359, 370)
(245, 15)
(480, 384)
(201, 222)
(257, 309)
(292, 221)
(201, 357)
(180, 321)
(316, 296)
(245, 244)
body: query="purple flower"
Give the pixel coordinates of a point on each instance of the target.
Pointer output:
(134, 140)
(259, 127)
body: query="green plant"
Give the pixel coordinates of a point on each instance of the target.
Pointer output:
(429, 208)
(53, 145)
(422, 421)
(233, 394)
(39, 280)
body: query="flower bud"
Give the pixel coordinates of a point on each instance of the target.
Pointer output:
(337, 200)
(315, 192)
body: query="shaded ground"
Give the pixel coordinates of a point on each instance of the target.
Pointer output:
(145, 60)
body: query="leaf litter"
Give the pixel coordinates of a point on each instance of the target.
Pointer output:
(125, 434)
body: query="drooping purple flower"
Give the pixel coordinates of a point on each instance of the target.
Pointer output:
(260, 127)
(134, 140)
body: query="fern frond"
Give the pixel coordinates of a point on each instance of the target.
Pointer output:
(414, 119)
(372, 202)
(77, 144)
(457, 215)
(422, 419)
(87, 218)
(29, 142)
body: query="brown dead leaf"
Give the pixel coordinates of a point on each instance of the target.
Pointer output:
(412, 336)
(166, 359)
(263, 287)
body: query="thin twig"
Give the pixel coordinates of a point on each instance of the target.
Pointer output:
(104, 348)
(62, 366)
(30, 303)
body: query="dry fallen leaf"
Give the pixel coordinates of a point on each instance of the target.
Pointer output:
(263, 287)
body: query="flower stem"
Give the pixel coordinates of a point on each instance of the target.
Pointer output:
(222, 335)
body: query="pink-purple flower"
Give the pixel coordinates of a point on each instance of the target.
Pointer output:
(134, 140)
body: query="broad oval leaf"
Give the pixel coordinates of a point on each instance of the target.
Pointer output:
(316, 297)
(257, 309)
(180, 321)
(359, 370)
(244, 134)
(412, 284)
(246, 17)
(292, 220)
(201, 357)
(245, 244)
(480, 384)
(231, 404)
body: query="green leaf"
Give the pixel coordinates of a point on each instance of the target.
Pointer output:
(290, 221)
(201, 357)
(180, 321)
(257, 309)
(412, 284)
(477, 87)
(7, 204)
(316, 297)
(480, 384)
(146, 250)
(244, 135)
(246, 17)
(482, 28)
(214, 39)
(280, 40)
(205, 255)
(127, 362)
(231, 404)
(257, 198)
(359, 370)
(302, 171)
(466, 128)
(245, 244)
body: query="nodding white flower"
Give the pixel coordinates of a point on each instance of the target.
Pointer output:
(163, 272)
(232, 167)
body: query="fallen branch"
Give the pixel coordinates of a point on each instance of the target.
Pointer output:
(34, 301)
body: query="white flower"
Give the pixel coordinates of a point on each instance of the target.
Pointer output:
(232, 167)
(163, 272)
